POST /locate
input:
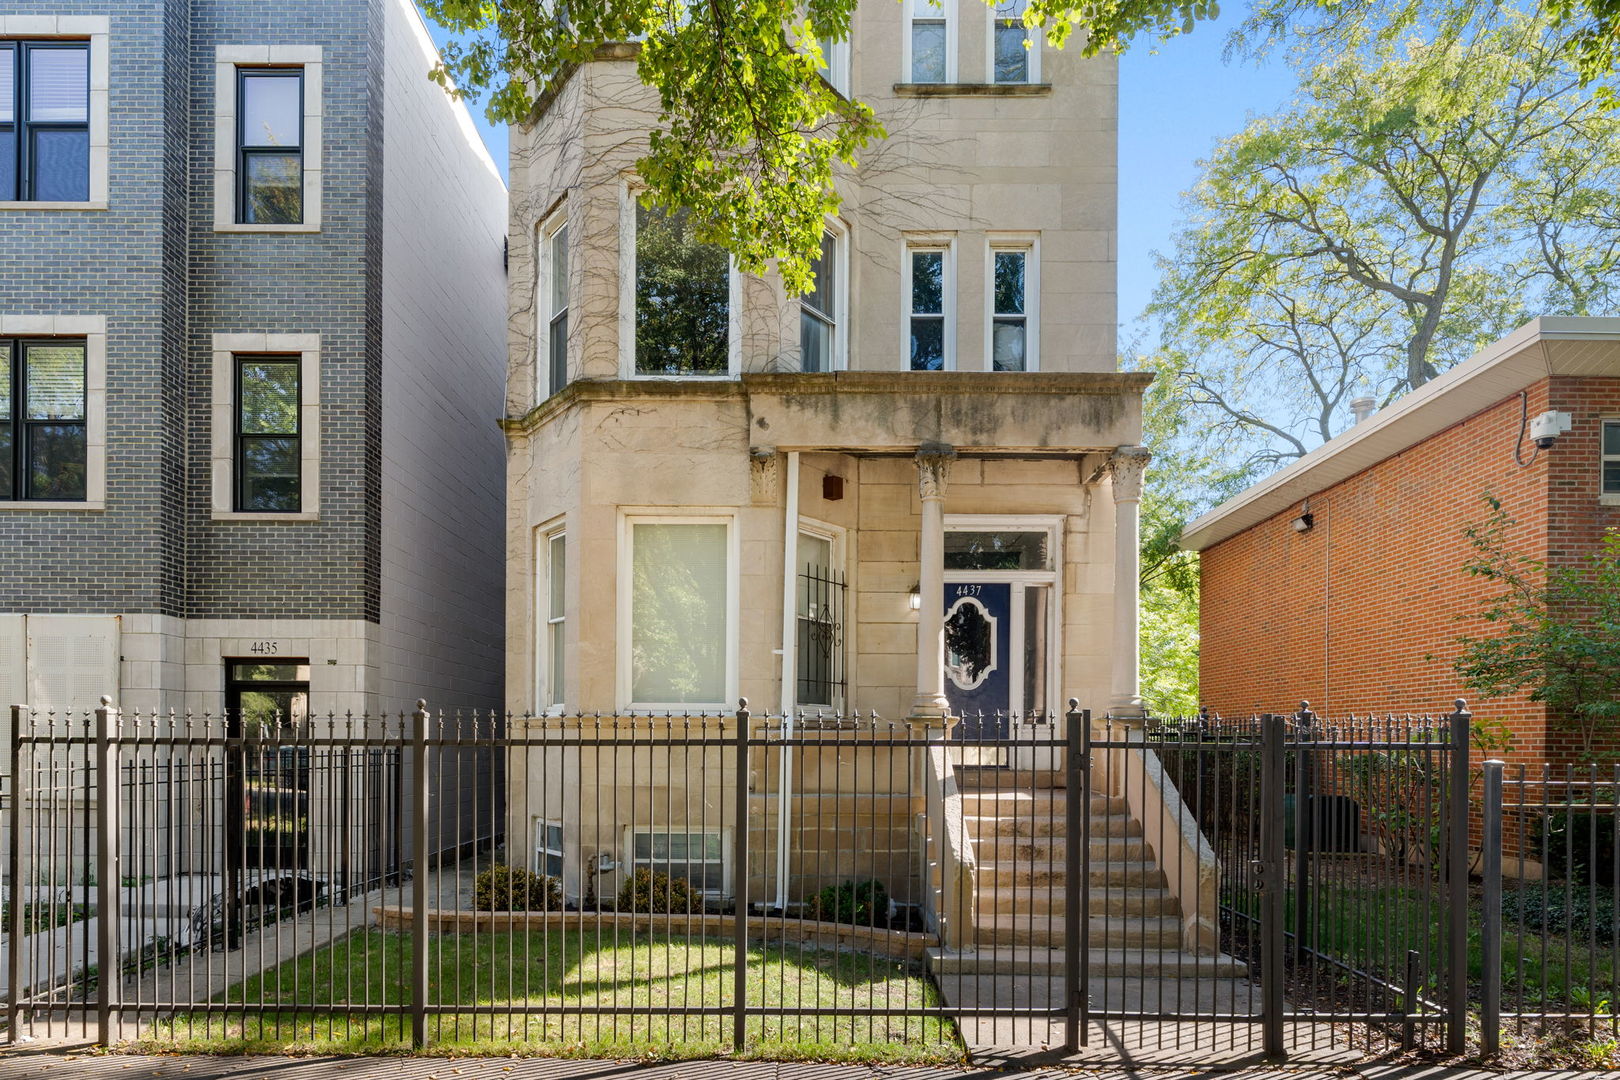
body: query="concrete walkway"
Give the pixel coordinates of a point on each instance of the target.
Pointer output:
(38, 1065)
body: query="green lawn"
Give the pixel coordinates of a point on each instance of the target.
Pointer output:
(565, 970)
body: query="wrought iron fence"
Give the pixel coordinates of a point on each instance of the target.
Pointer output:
(1180, 889)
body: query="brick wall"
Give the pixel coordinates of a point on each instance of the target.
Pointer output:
(1361, 613)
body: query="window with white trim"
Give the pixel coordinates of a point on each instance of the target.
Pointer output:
(682, 301)
(835, 55)
(548, 848)
(552, 335)
(693, 856)
(928, 288)
(680, 619)
(928, 46)
(1015, 49)
(821, 310)
(1611, 458)
(552, 556)
(1014, 301)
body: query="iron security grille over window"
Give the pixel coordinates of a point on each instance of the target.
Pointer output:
(821, 637)
(44, 121)
(43, 447)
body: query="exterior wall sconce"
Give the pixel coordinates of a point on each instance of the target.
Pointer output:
(915, 599)
(1306, 520)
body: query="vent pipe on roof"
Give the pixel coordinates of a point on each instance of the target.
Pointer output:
(1363, 407)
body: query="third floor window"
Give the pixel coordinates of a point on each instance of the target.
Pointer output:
(44, 121)
(270, 139)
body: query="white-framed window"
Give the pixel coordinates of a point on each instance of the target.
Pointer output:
(550, 592)
(836, 56)
(548, 848)
(551, 308)
(928, 44)
(233, 400)
(678, 298)
(1011, 60)
(823, 311)
(1610, 481)
(1013, 303)
(54, 93)
(700, 857)
(267, 138)
(678, 587)
(928, 299)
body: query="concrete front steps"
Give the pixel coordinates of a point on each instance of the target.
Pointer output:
(1171, 963)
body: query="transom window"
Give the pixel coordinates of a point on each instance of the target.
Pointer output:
(44, 451)
(44, 121)
(997, 550)
(1611, 457)
(698, 858)
(270, 138)
(268, 445)
(819, 310)
(928, 291)
(683, 298)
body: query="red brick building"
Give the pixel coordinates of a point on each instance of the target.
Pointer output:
(1340, 579)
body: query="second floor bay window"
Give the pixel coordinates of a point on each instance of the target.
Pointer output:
(929, 43)
(43, 435)
(44, 121)
(820, 310)
(682, 299)
(1011, 60)
(927, 291)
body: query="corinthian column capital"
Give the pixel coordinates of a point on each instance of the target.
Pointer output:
(934, 470)
(1125, 467)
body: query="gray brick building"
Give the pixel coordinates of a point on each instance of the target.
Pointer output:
(252, 340)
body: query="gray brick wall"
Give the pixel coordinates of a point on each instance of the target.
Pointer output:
(111, 263)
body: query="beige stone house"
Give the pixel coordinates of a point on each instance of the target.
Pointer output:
(717, 490)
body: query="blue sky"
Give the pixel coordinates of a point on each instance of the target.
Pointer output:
(1175, 101)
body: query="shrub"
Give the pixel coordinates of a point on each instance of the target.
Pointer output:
(1579, 844)
(861, 903)
(1584, 915)
(512, 888)
(656, 892)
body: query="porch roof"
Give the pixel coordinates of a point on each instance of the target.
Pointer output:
(898, 411)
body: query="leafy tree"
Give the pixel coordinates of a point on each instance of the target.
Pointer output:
(749, 131)
(1553, 629)
(1421, 197)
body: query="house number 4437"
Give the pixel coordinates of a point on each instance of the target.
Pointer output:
(265, 648)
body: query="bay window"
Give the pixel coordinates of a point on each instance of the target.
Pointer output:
(676, 618)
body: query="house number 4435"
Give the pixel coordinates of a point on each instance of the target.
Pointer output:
(265, 648)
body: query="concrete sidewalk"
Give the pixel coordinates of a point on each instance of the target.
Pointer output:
(46, 1065)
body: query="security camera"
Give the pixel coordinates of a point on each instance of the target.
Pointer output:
(1545, 429)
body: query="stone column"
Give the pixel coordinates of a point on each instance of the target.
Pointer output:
(1125, 468)
(933, 471)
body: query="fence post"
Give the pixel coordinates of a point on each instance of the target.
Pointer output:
(1076, 909)
(1457, 884)
(1271, 886)
(107, 876)
(419, 871)
(14, 920)
(739, 975)
(1304, 831)
(1490, 931)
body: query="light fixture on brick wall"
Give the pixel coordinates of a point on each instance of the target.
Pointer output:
(1306, 520)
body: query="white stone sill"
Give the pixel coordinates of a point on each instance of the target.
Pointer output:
(239, 228)
(53, 206)
(41, 504)
(302, 515)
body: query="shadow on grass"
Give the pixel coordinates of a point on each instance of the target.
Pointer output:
(672, 998)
